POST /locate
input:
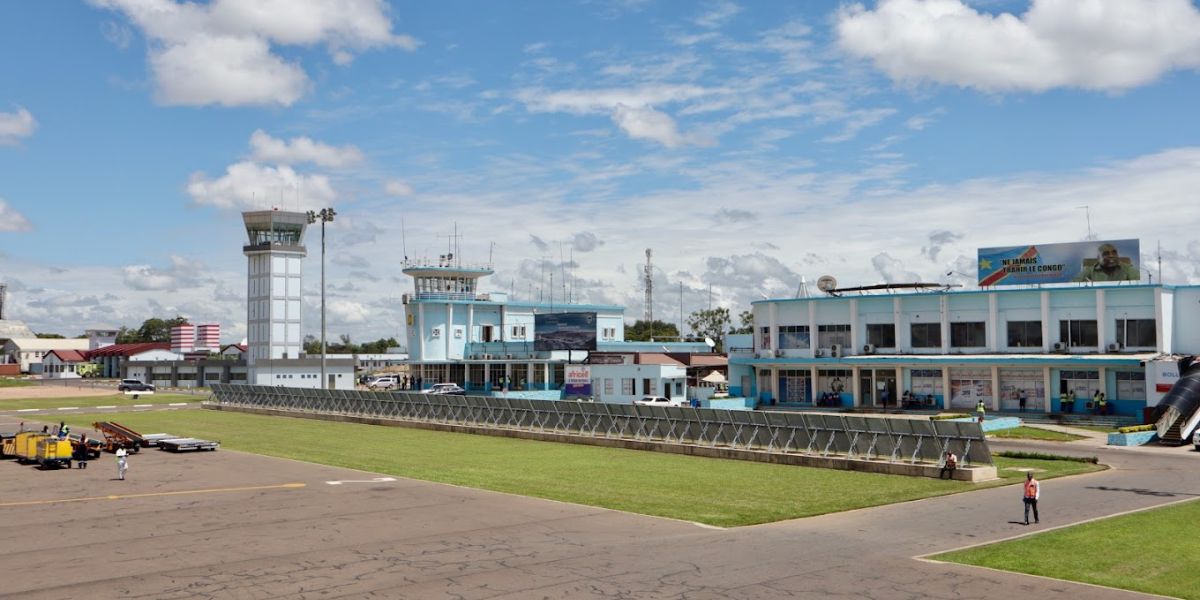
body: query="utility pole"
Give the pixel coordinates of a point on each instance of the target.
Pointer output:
(326, 216)
(648, 312)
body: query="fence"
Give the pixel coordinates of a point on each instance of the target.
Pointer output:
(891, 439)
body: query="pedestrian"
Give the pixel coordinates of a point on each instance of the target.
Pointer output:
(122, 463)
(1021, 399)
(46, 429)
(981, 409)
(420, 384)
(1071, 401)
(1102, 402)
(885, 396)
(1033, 491)
(64, 431)
(949, 465)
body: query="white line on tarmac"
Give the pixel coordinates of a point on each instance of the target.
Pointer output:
(178, 404)
(26, 409)
(68, 408)
(142, 405)
(106, 406)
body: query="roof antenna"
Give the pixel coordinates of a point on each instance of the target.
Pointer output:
(403, 241)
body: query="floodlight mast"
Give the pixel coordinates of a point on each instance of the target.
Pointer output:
(325, 215)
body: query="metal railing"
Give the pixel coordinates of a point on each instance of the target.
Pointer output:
(890, 439)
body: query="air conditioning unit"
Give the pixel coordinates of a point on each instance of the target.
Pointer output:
(1060, 347)
(869, 349)
(1115, 347)
(779, 354)
(835, 351)
(509, 356)
(487, 357)
(818, 353)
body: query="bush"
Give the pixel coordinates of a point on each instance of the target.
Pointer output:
(1045, 456)
(949, 416)
(1136, 428)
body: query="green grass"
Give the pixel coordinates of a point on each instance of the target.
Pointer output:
(1033, 433)
(1155, 551)
(1099, 428)
(11, 382)
(713, 491)
(92, 401)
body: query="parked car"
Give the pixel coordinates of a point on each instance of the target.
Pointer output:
(134, 385)
(446, 389)
(659, 401)
(1196, 439)
(384, 382)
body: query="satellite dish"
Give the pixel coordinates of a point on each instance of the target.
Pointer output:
(710, 342)
(827, 283)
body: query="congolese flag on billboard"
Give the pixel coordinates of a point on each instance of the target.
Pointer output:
(1093, 261)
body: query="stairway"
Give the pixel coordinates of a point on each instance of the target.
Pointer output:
(1174, 436)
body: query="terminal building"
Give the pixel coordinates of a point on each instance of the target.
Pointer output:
(948, 349)
(487, 343)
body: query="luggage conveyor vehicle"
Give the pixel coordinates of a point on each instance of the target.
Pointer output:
(164, 441)
(181, 444)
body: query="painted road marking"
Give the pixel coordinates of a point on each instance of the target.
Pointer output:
(152, 494)
(376, 480)
(68, 408)
(142, 405)
(178, 404)
(26, 409)
(106, 406)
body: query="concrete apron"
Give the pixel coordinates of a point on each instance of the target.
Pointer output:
(972, 473)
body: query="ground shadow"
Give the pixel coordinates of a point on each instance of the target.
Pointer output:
(1140, 491)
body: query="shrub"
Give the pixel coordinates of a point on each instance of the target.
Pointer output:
(1045, 456)
(949, 416)
(1136, 428)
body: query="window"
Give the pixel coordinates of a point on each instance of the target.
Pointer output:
(834, 380)
(1025, 334)
(1136, 332)
(1131, 385)
(927, 384)
(968, 335)
(1085, 384)
(608, 386)
(646, 388)
(828, 335)
(881, 335)
(926, 335)
(627, 386)
(518, 332)
(765, 337)
(609, 333)
(1078, 333)
(793, 336)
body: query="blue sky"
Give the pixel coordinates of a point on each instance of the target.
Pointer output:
(749, 144)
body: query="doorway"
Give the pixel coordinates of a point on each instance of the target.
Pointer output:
(878, 387)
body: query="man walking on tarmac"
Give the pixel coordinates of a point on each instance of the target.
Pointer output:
(122, 463)
(1033, 491)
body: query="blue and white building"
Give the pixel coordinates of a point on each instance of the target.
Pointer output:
(484, 341)
(952, 349)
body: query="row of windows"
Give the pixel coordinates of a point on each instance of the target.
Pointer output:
(1021, 334)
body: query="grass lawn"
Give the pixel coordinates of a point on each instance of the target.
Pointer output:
(115, 399)
(712, 491)
(1098, 428)
(10, 382)
(1033, 433)
(1155, 551)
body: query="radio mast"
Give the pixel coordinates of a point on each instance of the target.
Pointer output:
(649, 278)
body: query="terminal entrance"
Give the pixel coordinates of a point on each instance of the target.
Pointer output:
(877, 387)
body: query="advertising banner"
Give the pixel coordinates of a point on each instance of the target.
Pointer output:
(564, 331)
(577, 381)
(1102, 260)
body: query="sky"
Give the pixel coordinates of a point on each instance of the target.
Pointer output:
(752, 146)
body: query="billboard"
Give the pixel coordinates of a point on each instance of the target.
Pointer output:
(564, 331)
(577, 381)
(1101, 260)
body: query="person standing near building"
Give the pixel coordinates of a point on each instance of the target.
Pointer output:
(1101, 404)
(1021, 399)
(122, 463)
(980, 409)
(1033, 492)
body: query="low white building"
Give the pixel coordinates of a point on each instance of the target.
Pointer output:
(303, 373)
(63, 364)
(28, 352)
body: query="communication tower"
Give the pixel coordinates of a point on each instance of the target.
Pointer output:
(649, 276)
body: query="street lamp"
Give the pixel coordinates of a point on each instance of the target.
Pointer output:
(325, 215)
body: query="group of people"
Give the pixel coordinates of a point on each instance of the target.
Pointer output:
(1031, 492)
(1099, 404)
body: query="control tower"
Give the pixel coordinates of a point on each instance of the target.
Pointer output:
(435, 331)
(274, 251)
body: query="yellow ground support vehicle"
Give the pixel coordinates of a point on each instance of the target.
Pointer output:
(25, 445)
(54, 452)
(8, 446)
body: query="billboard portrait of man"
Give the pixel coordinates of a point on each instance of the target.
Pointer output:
(1108, 265)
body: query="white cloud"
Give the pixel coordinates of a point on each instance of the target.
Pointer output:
(117, 34)
(605, 100)
(301, 149)
(398, 188)
(251, 186)
(346, 311)
(11, 220)
(16, 125)
(221, 52)
(720, 12)
(1108, 45)
(183, 273)
(645, 123)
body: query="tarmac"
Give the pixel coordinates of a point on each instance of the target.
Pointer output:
(228, 524)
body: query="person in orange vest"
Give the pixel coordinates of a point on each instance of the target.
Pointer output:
(1033, 491)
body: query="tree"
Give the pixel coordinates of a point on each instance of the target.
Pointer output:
(152, 330)
(711, 323)
(49, 336)
(641, 331)
(747, 318)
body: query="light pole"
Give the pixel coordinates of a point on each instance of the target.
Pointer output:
(326, 216)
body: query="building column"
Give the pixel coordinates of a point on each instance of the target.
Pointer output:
(1101, 328)
(993, 326)
(946, 387)
(944, 309)
(420, 331)
(1160, 326)
(1050, 392)
(995, 388)
(773, 326)
(812, 376)
(1045, 322)
(855, 386)
(1104, 381)
(812, 329)
(903, 339)
(775, 383)
(470, 325)
(855, 346)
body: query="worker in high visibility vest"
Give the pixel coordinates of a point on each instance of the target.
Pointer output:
(1033, 491)
(980, 409)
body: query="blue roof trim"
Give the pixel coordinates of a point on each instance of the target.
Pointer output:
(999, 290)
(555, 307)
